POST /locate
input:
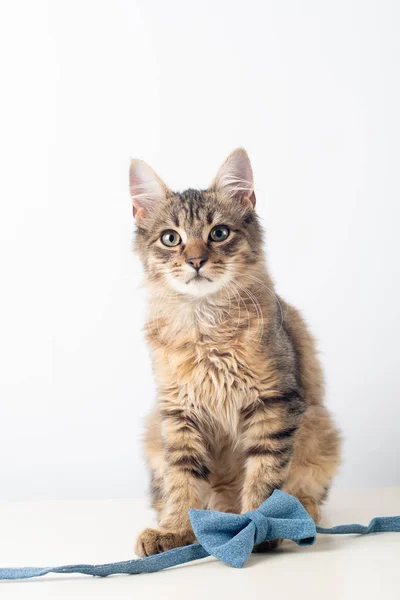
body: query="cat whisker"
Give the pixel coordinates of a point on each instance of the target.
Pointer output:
(237, 297)
(240, 299)
(270, 291)
(260, 319)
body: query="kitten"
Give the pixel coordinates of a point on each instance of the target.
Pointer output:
(239, 410)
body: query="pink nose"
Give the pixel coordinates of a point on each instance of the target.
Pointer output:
(196, 262)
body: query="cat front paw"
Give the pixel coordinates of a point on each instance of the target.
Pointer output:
(153, 541)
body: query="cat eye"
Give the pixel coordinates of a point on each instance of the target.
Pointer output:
(170, 238)
(219, 233)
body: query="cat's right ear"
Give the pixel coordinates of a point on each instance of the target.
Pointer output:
(146, 188)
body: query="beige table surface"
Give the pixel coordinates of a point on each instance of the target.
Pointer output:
(62, 532)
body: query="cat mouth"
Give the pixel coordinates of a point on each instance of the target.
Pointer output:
(198, 277)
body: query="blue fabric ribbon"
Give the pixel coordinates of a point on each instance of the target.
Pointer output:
(226, 536)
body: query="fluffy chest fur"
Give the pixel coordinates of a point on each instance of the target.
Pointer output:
(208, 364)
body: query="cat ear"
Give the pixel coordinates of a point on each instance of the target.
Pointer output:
(235, 178)
(146, 188)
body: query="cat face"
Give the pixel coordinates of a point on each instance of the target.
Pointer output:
(197, 242)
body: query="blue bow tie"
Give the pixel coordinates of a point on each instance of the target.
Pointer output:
(231, 538)
(226, 536)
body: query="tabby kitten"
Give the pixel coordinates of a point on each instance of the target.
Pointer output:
(239, 410)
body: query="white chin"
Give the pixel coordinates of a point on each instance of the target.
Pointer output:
(197, 287)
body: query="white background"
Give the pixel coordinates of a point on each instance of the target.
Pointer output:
(311, 90)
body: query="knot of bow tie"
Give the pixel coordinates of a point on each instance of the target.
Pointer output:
(231, 537)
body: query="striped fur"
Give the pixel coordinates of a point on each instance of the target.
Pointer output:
(239, 409)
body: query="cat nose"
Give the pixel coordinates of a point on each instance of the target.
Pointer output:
(197, 262)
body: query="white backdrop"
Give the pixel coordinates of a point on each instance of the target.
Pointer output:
(311, 90)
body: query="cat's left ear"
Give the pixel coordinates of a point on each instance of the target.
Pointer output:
(146, 188)
(235, 178)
